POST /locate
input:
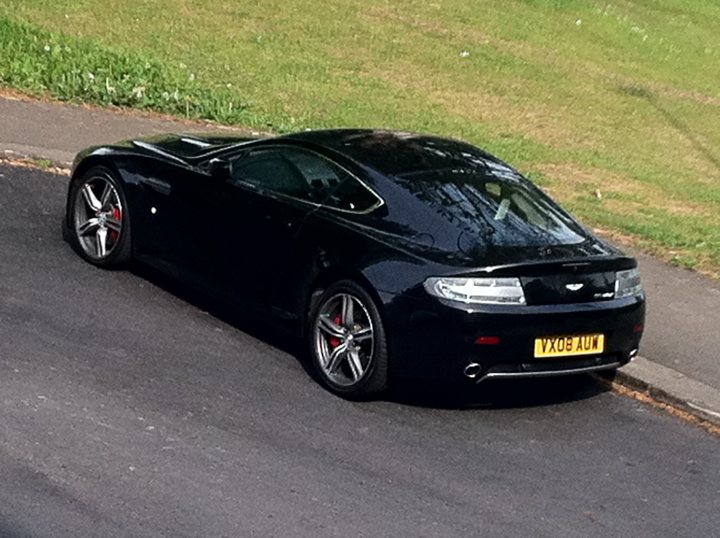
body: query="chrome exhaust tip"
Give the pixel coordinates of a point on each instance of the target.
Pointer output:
(633, 354)
(472, 371)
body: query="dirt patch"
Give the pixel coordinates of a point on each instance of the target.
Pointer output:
(504, 113)
(568, 180)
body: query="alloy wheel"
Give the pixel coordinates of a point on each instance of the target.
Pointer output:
(344, 339)
(97, 217)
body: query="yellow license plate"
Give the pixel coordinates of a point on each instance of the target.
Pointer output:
(564, 346)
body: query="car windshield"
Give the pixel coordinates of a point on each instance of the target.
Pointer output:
(492, 207)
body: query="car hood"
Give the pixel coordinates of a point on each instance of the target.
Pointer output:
(187, 146)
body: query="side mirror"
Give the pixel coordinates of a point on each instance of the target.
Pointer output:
(219, 168)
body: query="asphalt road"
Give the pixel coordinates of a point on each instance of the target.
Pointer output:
(126, 409)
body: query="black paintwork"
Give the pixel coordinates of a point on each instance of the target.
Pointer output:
(269, 253)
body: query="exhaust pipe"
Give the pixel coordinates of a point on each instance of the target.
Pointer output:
(472, 371)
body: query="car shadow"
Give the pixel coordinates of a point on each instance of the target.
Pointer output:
(223, 311)
(503, 394)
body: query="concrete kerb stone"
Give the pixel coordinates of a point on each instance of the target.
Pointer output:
(669, 387)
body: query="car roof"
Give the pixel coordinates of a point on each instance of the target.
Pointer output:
(398, 152)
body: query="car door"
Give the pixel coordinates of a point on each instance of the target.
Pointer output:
(260, 215)
(279, 193)
(240, 235)
(171, 210)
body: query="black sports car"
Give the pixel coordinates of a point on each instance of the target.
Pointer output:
(392, 254)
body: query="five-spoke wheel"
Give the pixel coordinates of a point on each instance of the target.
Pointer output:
(348, 341)
(97, 218)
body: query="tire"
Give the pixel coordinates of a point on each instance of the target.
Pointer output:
(349, 356)
(98, 224)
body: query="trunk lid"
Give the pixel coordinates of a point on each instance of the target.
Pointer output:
(580, 280)
(571, 287)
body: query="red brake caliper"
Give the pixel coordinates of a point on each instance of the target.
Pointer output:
(335, 341)
(118, 216)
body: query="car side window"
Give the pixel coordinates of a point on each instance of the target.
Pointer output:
(270, 170)
(351, 195)
(333, 184)
(304, 175)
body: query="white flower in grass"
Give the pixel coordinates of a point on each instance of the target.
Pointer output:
(464, 54)
(46, 48)
(138, 92)
(91, 76)
(578, 22)
(191, 77)
(166, 95)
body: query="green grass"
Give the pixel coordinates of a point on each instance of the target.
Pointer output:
(37, 61)
(621, 98)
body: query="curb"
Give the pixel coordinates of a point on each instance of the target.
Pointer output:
(669, 387)
(13, 158)
(22, 152)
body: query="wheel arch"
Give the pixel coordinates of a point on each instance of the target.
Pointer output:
(374, 380)
(122, 248)
(331, 275)
(88, 163)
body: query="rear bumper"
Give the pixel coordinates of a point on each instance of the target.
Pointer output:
(432, 341)
(529, 370)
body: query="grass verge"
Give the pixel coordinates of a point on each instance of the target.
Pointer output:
(39, 62)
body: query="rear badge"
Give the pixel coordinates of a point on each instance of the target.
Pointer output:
(574, 287)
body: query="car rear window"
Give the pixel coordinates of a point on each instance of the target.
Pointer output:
(496, 207)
